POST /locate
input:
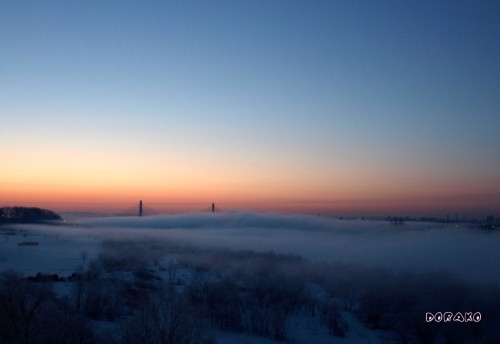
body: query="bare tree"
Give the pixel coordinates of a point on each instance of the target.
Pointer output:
(332, 317)
(21, 300)
(84, 255)
(165, 319)
(172, 270)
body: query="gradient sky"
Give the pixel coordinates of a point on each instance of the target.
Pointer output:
(346, 107)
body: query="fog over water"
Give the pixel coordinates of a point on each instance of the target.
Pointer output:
(416, 246)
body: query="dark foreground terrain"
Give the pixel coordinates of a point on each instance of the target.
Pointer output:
(146, 291)
(26, 215)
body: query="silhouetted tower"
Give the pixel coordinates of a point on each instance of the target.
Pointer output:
(213, 207)
(140, 207)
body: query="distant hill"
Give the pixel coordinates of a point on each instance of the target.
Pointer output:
(26, 215)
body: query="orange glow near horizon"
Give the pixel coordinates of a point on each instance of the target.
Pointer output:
(107, 180)
(117, 195)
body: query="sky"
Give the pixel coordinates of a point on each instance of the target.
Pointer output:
(339, 107)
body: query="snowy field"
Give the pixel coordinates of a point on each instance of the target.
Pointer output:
(415, 246)
(266, 278)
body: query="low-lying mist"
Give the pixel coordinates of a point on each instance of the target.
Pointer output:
(414, 246)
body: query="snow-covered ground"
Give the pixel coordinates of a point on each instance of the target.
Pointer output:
(193, 244)
(415, 246)
(55, 253)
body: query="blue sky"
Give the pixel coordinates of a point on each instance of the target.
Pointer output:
(338, 98)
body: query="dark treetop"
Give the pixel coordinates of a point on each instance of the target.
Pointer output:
(26, 215)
